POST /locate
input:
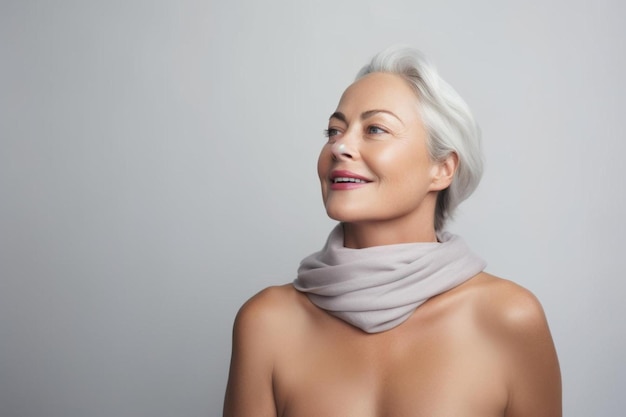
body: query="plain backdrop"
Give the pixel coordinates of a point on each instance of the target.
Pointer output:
(157, 168)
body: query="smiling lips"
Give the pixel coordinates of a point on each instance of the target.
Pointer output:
(346, 180)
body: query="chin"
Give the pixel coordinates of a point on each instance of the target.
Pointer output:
(349, 215)
(341, 214)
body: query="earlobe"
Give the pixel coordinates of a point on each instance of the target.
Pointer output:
(443, 172)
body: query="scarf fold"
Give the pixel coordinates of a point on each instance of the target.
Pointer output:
(378, 288)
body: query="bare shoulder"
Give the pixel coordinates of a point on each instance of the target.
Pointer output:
(270, 300)
(270, 312)
(506, 307)
(514, 319)
(258, 342)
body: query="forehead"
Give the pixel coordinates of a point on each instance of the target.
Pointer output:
(379, 90)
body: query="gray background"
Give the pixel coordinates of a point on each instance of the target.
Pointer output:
(157, 168)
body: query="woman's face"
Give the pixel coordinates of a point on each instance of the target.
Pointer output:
(375, 166)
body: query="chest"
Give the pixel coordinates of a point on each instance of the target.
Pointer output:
(441, 370)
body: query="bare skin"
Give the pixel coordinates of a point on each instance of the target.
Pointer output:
(482, 349)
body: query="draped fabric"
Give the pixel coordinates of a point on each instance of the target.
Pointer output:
(377, 288)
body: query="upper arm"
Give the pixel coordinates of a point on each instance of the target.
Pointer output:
(533, 375)
(249, 390)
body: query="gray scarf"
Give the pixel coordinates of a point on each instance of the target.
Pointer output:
(377, 288)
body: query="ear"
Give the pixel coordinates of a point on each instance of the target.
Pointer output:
(443, 172)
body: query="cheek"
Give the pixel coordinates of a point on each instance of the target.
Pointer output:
(323, 162)
(323, 165)
(397, 163)
(406, 167)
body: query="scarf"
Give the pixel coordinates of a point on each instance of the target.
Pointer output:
(378, 288)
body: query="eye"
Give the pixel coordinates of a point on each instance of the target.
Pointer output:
(375, 130)
(330, 132)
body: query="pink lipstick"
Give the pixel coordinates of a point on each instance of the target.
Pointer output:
(346, 180)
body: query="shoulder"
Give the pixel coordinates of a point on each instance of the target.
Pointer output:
(507, 308)
(515, 321)
(258, 338)
(266, 305)
(267, 300)
(268, 313)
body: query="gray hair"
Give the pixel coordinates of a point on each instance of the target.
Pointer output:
(447, 118)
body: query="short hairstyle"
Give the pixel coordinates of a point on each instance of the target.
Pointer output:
(447, 119)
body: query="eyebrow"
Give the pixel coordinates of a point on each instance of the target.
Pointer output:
(365, 115)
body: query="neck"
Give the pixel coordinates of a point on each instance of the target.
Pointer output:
(365, 235)
(384, 285)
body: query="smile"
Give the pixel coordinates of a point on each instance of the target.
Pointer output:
(339, 180)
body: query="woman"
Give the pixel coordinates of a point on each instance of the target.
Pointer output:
(395, 316)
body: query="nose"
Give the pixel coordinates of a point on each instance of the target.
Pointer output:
(343, 150)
